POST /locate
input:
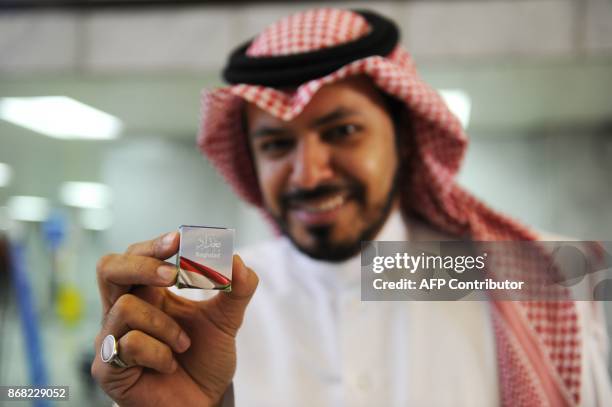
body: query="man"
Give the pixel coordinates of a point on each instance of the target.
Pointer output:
(328, 129)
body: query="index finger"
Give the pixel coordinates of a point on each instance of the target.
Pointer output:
(118, 273)
(162, 247)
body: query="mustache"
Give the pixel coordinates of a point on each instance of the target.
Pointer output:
(353, 189)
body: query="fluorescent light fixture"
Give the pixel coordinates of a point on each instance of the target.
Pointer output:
(28, 208)
(96, 219)
(4, 218)
(85, 194)
(459, 102)
(60, 117)
(6, 173)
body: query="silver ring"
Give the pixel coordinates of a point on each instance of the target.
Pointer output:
(109, 352)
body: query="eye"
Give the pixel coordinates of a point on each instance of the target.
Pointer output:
(276, 146)
(341, 132)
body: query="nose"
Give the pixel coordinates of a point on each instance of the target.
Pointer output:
(312, 163)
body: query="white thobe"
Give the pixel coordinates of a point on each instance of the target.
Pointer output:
(308, 340)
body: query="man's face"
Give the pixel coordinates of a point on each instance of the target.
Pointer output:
(327, 176)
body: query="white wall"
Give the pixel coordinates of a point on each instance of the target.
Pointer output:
(160, 184)
(560, 183)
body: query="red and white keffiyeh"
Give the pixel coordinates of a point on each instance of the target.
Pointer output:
(538, 342)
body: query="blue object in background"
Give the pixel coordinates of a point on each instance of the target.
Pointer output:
(29, 320)
(54, 234)
(54, 229)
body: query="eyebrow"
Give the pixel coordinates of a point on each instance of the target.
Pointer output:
(338, 114)
(270, 131)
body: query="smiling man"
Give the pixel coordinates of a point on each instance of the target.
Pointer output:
(328, 129)
(327, 177)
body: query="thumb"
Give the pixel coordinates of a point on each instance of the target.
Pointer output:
(231, 305)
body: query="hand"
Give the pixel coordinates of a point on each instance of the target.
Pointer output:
(178, 352)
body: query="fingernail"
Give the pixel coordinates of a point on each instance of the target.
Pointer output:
(168, 239)
(239, 259)
(173, 366)
(167, 273)
(183, 342)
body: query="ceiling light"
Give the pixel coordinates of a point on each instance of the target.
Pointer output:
(4, 218)
(60, 117)
(96, 219)
(459, 102)
(28, 208)
(85, 194)
(6, 174)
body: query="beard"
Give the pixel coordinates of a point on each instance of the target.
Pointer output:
(324, 246)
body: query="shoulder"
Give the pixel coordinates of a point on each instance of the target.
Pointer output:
(590, 313)
(546, 236)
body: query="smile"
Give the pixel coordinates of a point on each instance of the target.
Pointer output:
(322, 205)
(320, 210)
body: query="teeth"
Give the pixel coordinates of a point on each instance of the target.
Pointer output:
(326, 205)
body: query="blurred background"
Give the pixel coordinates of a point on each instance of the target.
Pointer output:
(99, 107)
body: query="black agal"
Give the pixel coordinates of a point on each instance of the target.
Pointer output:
(295, 69)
